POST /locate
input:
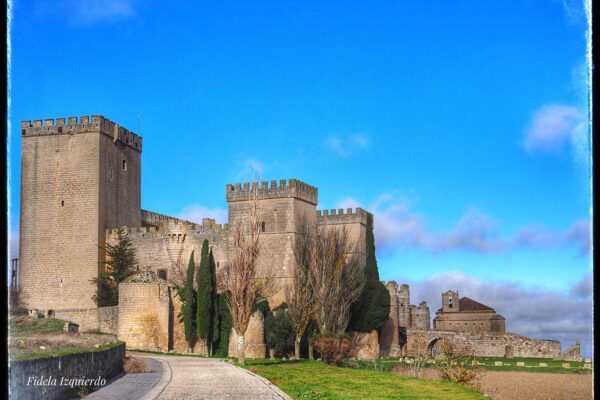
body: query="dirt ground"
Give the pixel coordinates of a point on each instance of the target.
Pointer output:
(509, 385)
(501, 385)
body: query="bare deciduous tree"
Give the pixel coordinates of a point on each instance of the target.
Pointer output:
(299, 296)
(337, 277)
(177, 275)
(240, 276)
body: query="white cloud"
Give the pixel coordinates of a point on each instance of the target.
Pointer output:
(347, 146)
(552, 127)
(77, 12)
(396, 225)
(195, 213)
(348, 202)
(535, 312)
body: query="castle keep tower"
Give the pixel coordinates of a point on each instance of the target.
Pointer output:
(282, 208)
(78, 178)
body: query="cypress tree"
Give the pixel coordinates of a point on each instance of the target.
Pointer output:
(371, 270)
(189, 302)
(215, 331)
(204, 306)
(371, 311)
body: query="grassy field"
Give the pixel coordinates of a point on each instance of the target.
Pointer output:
(307, 379)
(44, 337)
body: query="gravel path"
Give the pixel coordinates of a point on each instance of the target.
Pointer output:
(500, 385)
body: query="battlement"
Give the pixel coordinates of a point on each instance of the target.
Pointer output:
(337, 216)
(293, 188)
(155, 221)
(72, 126)
(172, 230)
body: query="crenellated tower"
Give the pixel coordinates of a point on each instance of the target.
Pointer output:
(281, 206)
(78, 178)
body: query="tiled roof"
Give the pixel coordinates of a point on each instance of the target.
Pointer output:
(467, 304)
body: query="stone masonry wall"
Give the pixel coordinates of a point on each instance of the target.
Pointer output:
(86, 318)
(366, 345)
(108, 318)
(138, 323)
(104, 363)
(67, 196)
(254, 338)
(170, 246)
(482, 344)
(281, 208)
(389, 340)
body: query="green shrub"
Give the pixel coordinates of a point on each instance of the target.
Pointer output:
(279, 330)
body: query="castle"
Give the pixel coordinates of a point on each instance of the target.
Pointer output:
(80, 183)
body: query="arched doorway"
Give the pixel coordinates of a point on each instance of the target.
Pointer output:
(437, 348)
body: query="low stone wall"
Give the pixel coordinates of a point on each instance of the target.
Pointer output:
(366, 344)
(108, 319)
(86, 318)
(481, 344)
(51, 378)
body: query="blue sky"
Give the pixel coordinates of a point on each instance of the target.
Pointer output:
(462, 125)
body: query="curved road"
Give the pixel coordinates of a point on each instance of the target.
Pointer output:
(180, 377)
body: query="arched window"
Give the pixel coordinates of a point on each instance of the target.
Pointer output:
(263, 227)
(450, 301)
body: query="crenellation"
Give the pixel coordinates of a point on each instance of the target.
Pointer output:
(337, 216)
(294, 189)
(98, 124)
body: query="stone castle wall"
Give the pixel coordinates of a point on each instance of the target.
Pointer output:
(481, 344)
(170, 246)
(108, 319)
(254, 338)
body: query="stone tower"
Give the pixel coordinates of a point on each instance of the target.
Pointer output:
(78, 178)
(450, 301)
(281, 207)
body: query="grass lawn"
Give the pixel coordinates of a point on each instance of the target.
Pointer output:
(309, 379)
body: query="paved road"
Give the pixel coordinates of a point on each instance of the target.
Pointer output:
(134, 386)
(190, 378)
